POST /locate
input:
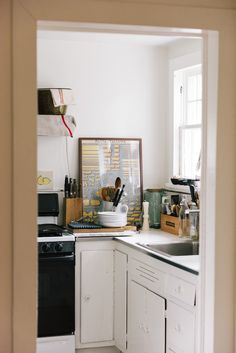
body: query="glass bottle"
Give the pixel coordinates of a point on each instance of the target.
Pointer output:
(183, 219)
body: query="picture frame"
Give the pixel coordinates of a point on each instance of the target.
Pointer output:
(101, 161)
(45, 180)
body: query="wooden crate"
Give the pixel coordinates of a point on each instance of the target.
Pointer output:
(73, 209)
(170, 224)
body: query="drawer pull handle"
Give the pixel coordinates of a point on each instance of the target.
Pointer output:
(147, 278)
(147, 274)
(144, 268)
(171, 350)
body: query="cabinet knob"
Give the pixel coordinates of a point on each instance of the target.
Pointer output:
(178, 328)
(178, 289)
(141, 326)
(86, 298)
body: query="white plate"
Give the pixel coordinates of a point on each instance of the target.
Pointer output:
(113, 224)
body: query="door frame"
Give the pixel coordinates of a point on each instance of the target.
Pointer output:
(164, 20)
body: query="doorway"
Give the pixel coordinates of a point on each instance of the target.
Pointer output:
(32, 125)
(122, 49)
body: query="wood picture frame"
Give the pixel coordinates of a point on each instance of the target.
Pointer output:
(101, 161)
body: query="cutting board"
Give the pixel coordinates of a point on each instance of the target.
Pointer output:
(105, 230)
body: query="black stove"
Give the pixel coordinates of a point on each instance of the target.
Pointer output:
(56, 273)
(52, 230)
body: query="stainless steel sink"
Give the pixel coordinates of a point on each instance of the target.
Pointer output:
(181, 248)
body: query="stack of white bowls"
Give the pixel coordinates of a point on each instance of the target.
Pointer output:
(112, 219)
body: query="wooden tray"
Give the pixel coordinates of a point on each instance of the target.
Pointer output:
(105, 230)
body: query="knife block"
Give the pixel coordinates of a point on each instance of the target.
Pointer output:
(72, 209)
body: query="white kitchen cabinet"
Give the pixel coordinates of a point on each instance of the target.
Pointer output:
(94, 293)
(136, 318)
(96, 296)
(132, 301)
(181, 315)
(120, 300)
(149, 282)
(146, 320)
(180, 329)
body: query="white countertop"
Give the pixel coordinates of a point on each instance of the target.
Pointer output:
(158, 236)
(131, 238)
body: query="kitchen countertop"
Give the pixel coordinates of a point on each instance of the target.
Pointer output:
(130, 238)
(188, 263)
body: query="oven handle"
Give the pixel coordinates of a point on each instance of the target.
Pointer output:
(63, 258)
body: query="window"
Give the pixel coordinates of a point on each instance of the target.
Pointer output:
(187, 121)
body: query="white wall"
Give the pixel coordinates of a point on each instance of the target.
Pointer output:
(120, 87)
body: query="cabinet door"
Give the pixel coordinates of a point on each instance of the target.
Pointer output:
(155, 323)
(136, 318)
(120, 300)
(180, 329)
(96, 296)
(146, 328)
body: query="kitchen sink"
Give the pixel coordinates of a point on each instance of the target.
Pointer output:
(181, 248)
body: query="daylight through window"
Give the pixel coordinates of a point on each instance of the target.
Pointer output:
(187, 121)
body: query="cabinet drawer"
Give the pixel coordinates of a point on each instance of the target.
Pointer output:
(146, 275)
(181, 290)
(180, 329)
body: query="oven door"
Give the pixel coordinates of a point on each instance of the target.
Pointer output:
(56, 295)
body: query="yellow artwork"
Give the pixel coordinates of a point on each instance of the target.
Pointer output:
(45, 180)
(102, 160)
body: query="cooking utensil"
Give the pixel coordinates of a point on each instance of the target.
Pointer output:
(116, 196)
(118, 183)
(117, 188)
(108, 193)
(119, 196)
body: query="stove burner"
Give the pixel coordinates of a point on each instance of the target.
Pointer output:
(52, 230)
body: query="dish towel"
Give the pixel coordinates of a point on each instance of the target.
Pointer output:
(62, 96)
(56, 125)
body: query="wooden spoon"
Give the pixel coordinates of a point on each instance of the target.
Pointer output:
(118, 183)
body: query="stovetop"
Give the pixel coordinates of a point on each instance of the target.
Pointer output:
(52, 230)
(54, 233)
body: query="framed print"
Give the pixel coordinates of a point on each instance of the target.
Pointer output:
(45, 180)
(102, 161)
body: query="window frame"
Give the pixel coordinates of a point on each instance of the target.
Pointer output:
(178, 63)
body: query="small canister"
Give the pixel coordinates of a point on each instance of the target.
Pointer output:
(153, 196)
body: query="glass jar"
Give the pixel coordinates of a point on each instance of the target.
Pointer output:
(184, 219)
